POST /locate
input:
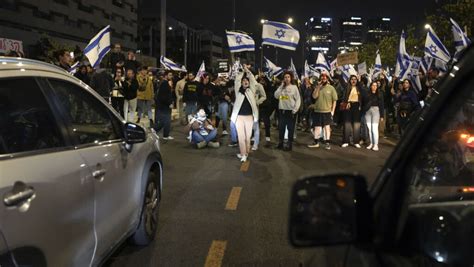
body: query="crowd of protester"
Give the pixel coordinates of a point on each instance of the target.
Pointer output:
(363, 107)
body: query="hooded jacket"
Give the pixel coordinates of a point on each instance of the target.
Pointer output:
(249, 94)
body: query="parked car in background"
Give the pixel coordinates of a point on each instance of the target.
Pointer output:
(75, 179)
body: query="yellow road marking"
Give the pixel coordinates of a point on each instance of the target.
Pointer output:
(216, 253)
(245, 166)
(233, 200)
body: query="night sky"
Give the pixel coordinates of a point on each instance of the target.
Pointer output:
(217, 14)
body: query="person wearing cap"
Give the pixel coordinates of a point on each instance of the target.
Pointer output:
(245, 111)
(325, 97)
(202, 132)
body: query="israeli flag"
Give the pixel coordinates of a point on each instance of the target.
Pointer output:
(309, 71)
(378, 65)
(321, 64)
(403, 58)
(333, 66)
(271, 70)
(170, 65)
(292, 69)
(461, 40)
(201, 71)
(98, 47)
(239, 42)
(426, 63)
(435, 48)
(347, 71)
(280, 35)
(73, 68)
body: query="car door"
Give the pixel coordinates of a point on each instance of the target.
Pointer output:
(440, 214)
(46, 212)
(99, 139)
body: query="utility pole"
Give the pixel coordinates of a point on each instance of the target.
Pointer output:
(233, 15)
(163, 29)
(185, 46)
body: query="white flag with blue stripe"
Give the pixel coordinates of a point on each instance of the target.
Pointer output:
(362, 68)
(322, 64)
(435, 48)
(292, 69)
(271, 70)
(403, 58)
(347, 71)
(461, 40)
(98, 47)
(280, 35)
(426, 64)
(234, 69)
(201, 71)
(377, 66)
(309, 71)
(239, 42)
(170, 65)
(73, 68)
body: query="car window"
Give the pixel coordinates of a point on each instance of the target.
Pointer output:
(26, 121)
(441, 191)
(91, 121)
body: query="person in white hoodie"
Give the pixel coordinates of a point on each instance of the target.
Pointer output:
(245, 111)
(288, 105)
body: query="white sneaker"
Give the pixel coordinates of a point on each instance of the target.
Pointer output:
(357, 146)
(168, 138)
(268, 139)
(254, 148)
(225, 132)
(370, 146)
(376, 148)
(239, 156)
(345, 145)
(243, 159)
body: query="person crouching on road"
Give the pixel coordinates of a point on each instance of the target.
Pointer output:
(245, 111)
(288, 105)
(202, 132)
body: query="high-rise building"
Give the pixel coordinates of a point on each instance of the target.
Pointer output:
(352, 33)
(378, 28)
(319, 36)
(69, 22)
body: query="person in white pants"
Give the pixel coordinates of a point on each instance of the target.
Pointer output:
(130, 89)
(374, 112)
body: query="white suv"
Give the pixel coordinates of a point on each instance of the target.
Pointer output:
(75, 179)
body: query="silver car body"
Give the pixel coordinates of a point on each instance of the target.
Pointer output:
(74, 219)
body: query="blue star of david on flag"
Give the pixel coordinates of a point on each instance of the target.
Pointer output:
(433, 49)
(280, 33)
(238, 39)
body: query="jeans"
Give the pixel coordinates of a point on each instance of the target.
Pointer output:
(352, 123)
(373, 117)
(163, 121)
(223, 111)
(256, 133)
(144, 106)
(265, 115)
(287, 120)
(233, 132)
(198, 138)
(364, 131)
(191, 108)
(129, 106)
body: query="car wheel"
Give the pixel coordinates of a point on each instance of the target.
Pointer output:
(146, 230)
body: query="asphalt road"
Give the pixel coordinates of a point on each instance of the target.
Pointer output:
(216, 211)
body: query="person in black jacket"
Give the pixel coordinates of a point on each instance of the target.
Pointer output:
(82, 75)
(130, 88)
(206, 95)
(374, 113)
(102, 82)
(164, 104)
(190, 95)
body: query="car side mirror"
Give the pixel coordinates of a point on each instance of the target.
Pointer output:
(134, 133)
(330, 210)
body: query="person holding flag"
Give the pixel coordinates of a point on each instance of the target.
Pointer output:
(245, 111)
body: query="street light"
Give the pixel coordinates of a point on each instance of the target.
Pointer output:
(263, 21)
(290, 20)
(313, 38)
(170, 28)
(427, 26)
